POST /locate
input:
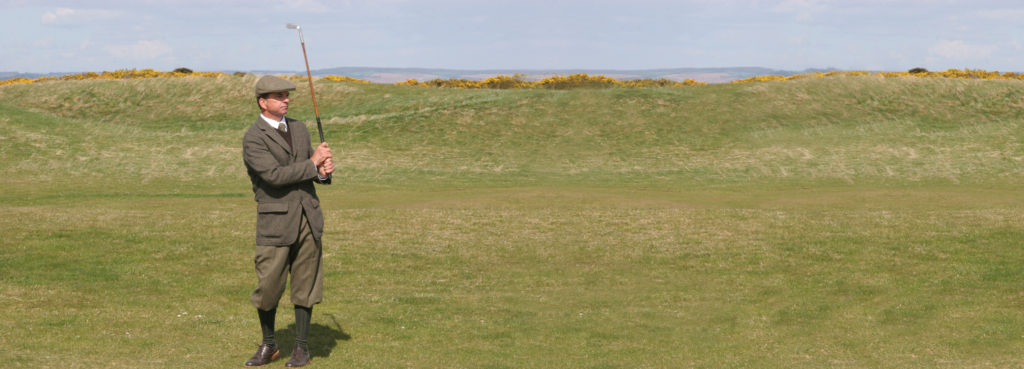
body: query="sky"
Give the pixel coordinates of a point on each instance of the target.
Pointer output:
(46, 36)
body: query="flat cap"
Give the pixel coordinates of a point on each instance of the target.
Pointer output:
(268, 84)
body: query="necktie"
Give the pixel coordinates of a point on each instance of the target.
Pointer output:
(282, 129)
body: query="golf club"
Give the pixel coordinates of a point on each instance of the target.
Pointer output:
(309, 76)
(316, 110)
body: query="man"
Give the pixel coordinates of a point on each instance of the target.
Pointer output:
(289, 224)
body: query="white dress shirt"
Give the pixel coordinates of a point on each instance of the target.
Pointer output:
(274, 123)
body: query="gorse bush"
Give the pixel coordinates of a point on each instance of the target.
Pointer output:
(506, 82)
(579, 80)
(518, 81)
(119, 74)
(340, 79)
(916, 72)
(151, 73)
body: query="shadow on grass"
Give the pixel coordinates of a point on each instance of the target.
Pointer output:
(322, 339)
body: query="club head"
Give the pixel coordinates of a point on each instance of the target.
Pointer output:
(293, 26)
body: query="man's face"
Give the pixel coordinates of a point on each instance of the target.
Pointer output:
(276, 104)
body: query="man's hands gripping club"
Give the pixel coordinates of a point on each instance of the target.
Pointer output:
(322, 158)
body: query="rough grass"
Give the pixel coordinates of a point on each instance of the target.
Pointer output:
(841, 222)
(845, 129)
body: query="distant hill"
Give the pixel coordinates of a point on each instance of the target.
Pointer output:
(10, 75)
(392, 75)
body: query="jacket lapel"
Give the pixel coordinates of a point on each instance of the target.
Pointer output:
(274, 136)
(291, 130)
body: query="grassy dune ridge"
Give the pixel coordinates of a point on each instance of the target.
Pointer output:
(831, 129)
(827, 222)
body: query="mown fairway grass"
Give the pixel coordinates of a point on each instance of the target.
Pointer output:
(849, 222)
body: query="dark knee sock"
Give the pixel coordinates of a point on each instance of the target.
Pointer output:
(302, 318)
(267, 325)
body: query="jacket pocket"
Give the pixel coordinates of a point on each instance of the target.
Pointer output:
(272, 207)
(272, 220)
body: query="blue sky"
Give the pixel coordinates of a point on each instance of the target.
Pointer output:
(40, 36)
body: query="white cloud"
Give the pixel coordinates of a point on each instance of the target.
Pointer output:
(305, 5)
(799, 40)
(44, 43)
(73, 17)
(959, 50)
(61, 14)
(142, 50)
(1002, 14)
(802, 10)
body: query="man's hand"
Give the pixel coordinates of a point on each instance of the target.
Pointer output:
(321, 154)
(326, 169)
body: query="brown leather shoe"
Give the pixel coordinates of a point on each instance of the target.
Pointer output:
(263, 355)
(299, 358)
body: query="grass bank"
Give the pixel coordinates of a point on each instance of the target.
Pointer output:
(833, 222)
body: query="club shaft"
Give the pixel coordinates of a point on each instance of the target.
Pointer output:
(312, 94)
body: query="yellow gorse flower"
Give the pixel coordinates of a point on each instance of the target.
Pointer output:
(517, 81)
(145, 73)
(579, 80)
(950, 73)
(344, 79)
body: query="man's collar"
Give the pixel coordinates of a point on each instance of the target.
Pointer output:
(273, 123)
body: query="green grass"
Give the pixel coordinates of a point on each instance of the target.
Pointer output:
(842, 222)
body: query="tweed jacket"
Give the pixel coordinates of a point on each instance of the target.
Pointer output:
(282, 182)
